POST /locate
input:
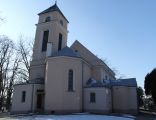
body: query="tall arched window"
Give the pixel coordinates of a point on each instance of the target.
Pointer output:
(60, 42)
(48, 19)
(70, 80)
(45, 40)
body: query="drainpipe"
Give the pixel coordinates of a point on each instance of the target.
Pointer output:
(111, 96)
(32, 98)
(49, 49)
(82, 90)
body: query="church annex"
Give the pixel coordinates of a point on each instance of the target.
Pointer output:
(69, 79)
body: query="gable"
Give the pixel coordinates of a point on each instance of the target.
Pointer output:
(88, 55)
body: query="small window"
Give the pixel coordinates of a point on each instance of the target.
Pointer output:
(70, 80)
(106, 78)
(48, 19)
(61, 22)
(23, 96)
(92, 97)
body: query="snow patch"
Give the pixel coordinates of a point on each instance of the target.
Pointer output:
(128, 116)
(72, 117)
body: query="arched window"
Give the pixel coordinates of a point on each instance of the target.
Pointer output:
(48, 19)
(23, 96)
(70, 80)
(45, 40)
(61, 22)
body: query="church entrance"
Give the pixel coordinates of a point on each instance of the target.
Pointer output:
(40, 100)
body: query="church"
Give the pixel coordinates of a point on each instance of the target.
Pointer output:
(66, 80)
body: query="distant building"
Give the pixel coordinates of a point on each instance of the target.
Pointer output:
(69, 79)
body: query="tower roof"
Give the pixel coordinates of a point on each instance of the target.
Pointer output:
(52, 9)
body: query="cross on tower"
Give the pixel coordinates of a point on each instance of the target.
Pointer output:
(56, 2)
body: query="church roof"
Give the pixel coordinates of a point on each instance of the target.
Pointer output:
(130, 82)
(34, 81)
(52, 9)
(66, 52)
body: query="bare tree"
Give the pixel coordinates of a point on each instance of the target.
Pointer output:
(6, 51)
(25, 53)
(14, 67)
(2, 19)
(13, 73)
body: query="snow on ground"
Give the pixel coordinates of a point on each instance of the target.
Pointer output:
(67, 117)
(128, 116)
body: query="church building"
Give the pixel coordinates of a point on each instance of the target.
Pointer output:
(71, 79)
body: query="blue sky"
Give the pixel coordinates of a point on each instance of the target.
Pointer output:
(121, 31)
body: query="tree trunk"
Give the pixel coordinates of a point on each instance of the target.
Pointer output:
(8, 101)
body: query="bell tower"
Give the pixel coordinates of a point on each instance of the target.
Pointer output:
(52, 29)
(51, 37)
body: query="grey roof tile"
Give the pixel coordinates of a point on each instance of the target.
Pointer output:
(66, 52)
(34, 81)
(130, 82)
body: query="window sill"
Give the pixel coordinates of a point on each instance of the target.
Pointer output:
(71, 91)
(92, 102)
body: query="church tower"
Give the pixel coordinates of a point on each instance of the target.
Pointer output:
(51, 37)
(51, 28)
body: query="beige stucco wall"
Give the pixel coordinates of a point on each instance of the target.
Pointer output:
(57, 97)
(107, 73)
(37, 69)
(86, 54)
(97, 73)
(54, 29)
(103, 102)
(36, 87)
(86, 72)
(124, 99)
(31, 99)
(100, 73)
(17, 105)
(99, 68)
(54, 16)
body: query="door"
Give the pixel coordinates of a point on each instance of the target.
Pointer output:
(39, 101)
